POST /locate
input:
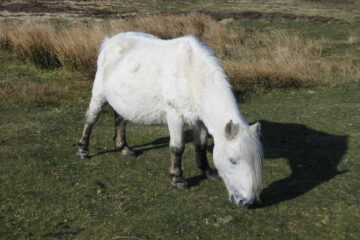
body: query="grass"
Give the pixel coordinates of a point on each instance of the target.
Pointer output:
(309, 112)
(26, 85)
(310, 172)
(254, 60)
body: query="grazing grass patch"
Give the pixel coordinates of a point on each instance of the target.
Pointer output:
(25, 85)
(310, 172)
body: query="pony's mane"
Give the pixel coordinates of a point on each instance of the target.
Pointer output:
(208, 56)
(251, 150)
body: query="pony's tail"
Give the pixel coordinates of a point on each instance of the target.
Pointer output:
(101, 53)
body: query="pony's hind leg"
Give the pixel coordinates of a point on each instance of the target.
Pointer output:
(200, 142)
(120, 136)
(177, 147)
(95, 106)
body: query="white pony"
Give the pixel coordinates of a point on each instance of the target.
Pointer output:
(148, 80)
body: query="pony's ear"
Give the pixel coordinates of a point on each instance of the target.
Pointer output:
(256, 128)
(231, 130)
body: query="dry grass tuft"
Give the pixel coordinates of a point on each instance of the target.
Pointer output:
(252, 60)
(77, 47)
(275, 60)
(4, 36)
(36, 43)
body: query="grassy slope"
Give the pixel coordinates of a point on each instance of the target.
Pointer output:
(46, 192)
(311, 185)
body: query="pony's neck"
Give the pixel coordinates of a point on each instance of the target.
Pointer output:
(215, 100)
(220, 108)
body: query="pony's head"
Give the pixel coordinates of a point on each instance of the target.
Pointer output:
(238, 159)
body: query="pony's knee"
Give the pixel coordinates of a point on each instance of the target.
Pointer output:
(177, 151)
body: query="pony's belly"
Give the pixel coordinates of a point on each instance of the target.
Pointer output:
(143, 116)
(140, 110)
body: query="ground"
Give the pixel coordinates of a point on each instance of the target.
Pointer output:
(311, 139)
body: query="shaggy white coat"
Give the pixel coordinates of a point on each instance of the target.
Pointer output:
(148, 80)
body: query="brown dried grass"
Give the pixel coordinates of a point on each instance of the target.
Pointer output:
(252, 60)
(36, 43)
(4, 36)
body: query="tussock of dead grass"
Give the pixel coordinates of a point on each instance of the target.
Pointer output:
(36, 43)
(252, 60)
(77, 47)
(276, 60)
(4, 36)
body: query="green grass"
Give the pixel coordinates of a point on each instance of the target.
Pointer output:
(311, 141)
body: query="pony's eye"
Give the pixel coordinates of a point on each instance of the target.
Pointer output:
(232, 161)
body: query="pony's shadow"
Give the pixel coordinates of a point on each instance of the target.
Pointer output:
(313, 157)
(141, 148)
(160, 143)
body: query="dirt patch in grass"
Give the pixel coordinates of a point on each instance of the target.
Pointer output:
(35, 7)
(39, 8)
(332, 1)
(254, 15)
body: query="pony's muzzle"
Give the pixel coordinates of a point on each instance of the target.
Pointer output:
(239, 200)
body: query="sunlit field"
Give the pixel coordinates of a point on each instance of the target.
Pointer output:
(294, 66)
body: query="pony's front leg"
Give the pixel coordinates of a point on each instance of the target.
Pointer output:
(200, 135)
(176, 130)
(120, 136)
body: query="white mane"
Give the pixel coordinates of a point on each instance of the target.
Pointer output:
(252, 151)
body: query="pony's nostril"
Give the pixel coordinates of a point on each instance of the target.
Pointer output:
(245, 202)
(241, 202)
(238, 199)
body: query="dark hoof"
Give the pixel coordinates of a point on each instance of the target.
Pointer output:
(127, 152)
(82, 154)
(211, 174)
(180, 183)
